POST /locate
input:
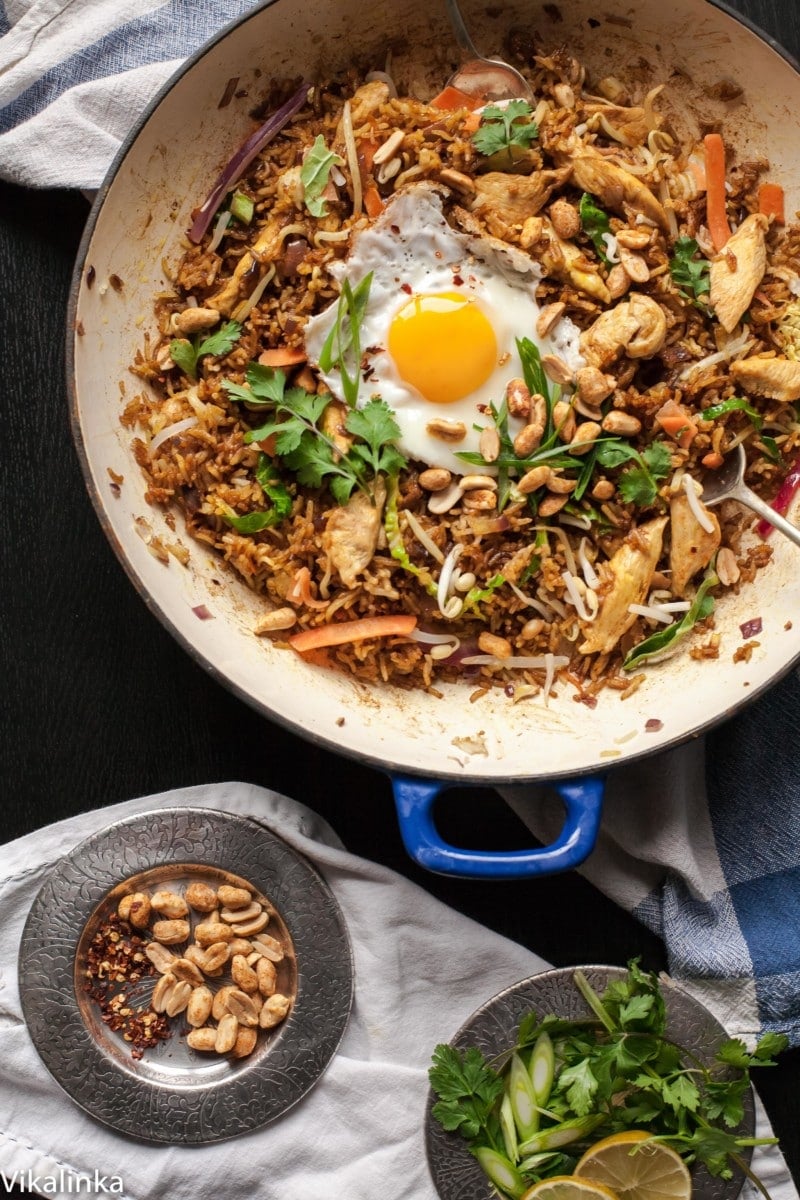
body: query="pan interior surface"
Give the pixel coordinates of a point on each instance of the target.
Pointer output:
(135, 235)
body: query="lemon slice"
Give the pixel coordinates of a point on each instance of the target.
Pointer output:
(634, 1171)
(568, 1187)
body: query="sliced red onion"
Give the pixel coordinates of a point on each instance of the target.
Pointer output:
(751, 628)
(171, 431)
(653, 725)
(241, 160)
(784, 498)
(202, 613)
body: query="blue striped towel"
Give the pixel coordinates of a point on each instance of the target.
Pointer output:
(75, 75)
(702, 844)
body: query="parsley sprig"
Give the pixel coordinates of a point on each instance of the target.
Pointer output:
(187, 352)
(304, 447)
(613, 1070)
(505, 128)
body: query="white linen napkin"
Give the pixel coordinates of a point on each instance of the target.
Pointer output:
(420, 970)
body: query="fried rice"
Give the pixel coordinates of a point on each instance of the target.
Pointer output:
(542, 572)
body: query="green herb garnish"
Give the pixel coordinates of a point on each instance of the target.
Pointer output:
(303, 446)
(613, 1070)
(394, 540)
(505, 128)
(242, 207)
(186, 353)
(733, 404)
(665, 639)
(595, 224)
(639, 485)
(691, 275)
(315, 174)
(344, 340)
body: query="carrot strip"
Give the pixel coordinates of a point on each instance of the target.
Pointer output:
(677, 423)
(713, 460)
(372, 201)
(366, 153)
(282, 356)
(300, 591)
(352, 631)
(452, 98)
(471, 123)
(770, 202)
(716, 211)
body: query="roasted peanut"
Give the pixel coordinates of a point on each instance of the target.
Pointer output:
(245, 1043)
(727, 567)
(551, 505)
(254, 925)
(275, 621)
(634, 239)
(618, 281)
(442, 502)
(603, 490)
(243, 975)
(550, 315)
(436, 479)
(455, 179)
(593, 385)
(169, 904)
(556, 369)
(532, 480)
(193, 320)
(532, 230)
(585, 435)
(219, 1005)
(201, 897)
(208, 932)
(269, 946)
(565, 218)
(185, 969)
(518, 399)
(622, 423)
(490, 643)
(198, 1010)
(635, 266)
(214, 957)
(232, 915)
(447, 431)
(161, 958)
(267, 976)
(389, 148)
(170, 933)
(234, 897)
(274, 1010)
(489, 443)
(531, 629)
(162, 991)
(178, 998)
(528, 439)
(560, 485)
(564, 419)
(135, 909)
(245, 1008)
(240, 946)
(204, 1039)
(471, 483)
(227, 1030)
(480, 500)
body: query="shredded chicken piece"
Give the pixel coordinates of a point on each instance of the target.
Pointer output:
(777, 378)
(637, 326)
(691, 546)
(624, 580)
(267, 248)
(351, 535)
(565, 261)
(737, 271)
(511, 199)
(615, 187)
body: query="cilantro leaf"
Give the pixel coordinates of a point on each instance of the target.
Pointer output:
(664, 639)
(639, 484)
(504, 128)
(315, 174)
(186, 353)
(690, 275)
(376, 426)
(595, 224)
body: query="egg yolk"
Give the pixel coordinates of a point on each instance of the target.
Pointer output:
(443, 345)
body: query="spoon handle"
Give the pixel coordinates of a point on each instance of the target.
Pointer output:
(460, 29)
(749, 498)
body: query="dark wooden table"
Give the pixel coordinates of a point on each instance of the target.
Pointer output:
(99, 704)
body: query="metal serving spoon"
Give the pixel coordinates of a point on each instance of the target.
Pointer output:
(489, 78)
(728, 484)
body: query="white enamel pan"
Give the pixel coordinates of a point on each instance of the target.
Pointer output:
(165, 169)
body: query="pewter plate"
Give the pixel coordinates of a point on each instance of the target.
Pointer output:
(493, 1027)
(172, 1094)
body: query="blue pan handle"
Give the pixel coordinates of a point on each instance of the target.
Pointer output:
(583, 801)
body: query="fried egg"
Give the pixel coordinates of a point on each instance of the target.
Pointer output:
(439, 333)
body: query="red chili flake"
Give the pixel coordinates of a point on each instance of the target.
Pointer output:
(751, 628)
(202, 612)
(458, 281)
(653, 725)
(406, 287)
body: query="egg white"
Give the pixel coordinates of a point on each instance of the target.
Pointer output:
(411, 250)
